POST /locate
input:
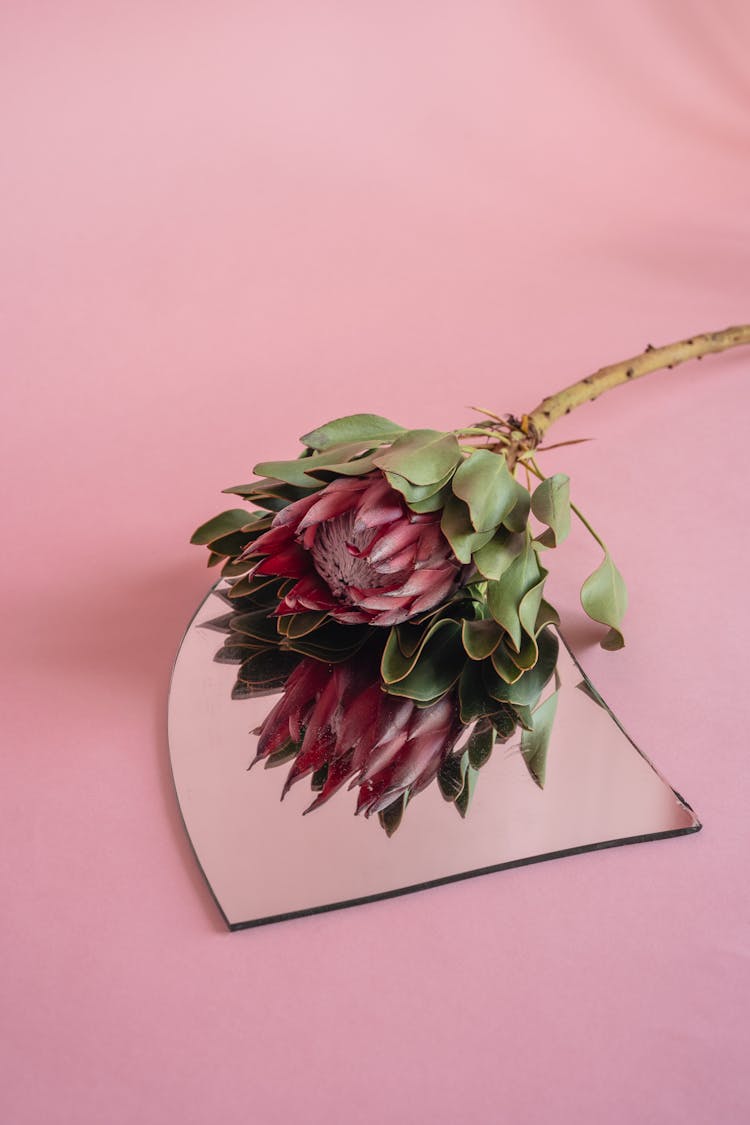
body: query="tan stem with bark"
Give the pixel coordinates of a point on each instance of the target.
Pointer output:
(652, 359)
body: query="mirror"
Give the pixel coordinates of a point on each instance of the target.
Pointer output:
(264, 861)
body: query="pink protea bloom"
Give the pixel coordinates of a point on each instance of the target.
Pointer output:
(359, 554)
(342, 719)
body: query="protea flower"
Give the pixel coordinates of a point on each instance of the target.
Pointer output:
(341, 726)
(358, 553)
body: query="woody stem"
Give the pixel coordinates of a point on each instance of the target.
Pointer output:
(549, 409)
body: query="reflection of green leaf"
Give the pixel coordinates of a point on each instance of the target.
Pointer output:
(535, 742)
(551, 505)
(588, 689)
(605, 599)
(479, 746)
(390, 817)
(484, 482)
(463, 800)
(452, 774)
(475, 702)
(422, 456)
(354, 427)
(457, 528)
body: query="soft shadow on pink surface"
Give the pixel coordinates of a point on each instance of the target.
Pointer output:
(221, 225)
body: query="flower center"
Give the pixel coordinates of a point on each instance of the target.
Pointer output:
(339, 568)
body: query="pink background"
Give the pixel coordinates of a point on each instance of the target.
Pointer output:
(223, 224)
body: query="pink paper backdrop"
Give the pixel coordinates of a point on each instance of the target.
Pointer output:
(222, 224)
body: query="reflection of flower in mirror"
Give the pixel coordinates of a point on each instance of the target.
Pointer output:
(339, 726)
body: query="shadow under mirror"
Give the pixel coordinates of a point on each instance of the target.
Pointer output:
(446, 790)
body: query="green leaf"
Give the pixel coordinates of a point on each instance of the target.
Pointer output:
(494, 558)
(481, 638)
(528, 687)
(353, 427)
(551, 505)
(505, 597)
(485, 483)
(296, 472)
(547, 615)
(297, 625)
(518, 516)
(422, 456)
(437, 667)
(535, 742)
(355, 468)
(223, 524)
(503, 664)
(433, 503)
(605, 599)
(416, 493)
(457, 528)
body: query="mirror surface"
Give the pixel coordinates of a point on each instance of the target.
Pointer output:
(264, 860)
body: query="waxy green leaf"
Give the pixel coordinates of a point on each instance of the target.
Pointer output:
(518, 516)
(605, 599)
(422, 456)
(416, 493)
(481, 638)
(223, 524)
(513, 597)
(457, 528)
(550, 504)
(296, 472)
(485, 483)
(527, 689)
(437, 668)
(353, 427)
(494, 558)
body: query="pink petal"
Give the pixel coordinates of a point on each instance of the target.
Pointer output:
(330, 505)
(290, 562)
(398, 536)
